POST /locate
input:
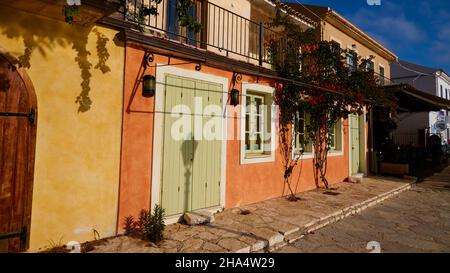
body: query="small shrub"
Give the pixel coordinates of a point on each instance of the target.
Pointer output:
(143, 219)
(129, 225)
(149, 226)
(154, 227)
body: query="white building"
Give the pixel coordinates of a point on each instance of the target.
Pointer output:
(430, 80)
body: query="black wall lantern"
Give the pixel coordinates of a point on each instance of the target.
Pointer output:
(234, 97)
(148, 86)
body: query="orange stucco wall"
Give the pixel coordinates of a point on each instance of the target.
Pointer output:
(250, 183)
(245, 184)
(137, 136)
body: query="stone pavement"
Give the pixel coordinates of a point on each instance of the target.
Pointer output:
(267, 225)
(414, 221)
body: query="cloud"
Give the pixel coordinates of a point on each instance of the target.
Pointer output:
(444, 33)
(440, 52)
(392, 25)
(440, 48)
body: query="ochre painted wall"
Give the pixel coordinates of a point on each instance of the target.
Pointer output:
(244, 183)
(77, 152)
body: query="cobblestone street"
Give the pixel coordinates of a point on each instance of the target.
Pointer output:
(417, 220)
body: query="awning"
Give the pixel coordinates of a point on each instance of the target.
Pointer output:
(411, 99)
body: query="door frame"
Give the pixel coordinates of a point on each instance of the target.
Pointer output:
(158, 131)
(33, 103)
(362, 144)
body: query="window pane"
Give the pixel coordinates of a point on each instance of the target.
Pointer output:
(333, 137)
(301, 138)
(247, 123)
(301, 126)
(258, 124)
(332, 143)
(301, 114)
(247, 142)
(255, 123)
(259, 102)
(258, 143)
(308, 147)
(370, 66)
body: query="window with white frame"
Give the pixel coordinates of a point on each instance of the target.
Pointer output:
(382, 72)
(370, 66)
(302, 144)
(352, 61)
(336, 137)
(256, 118)
(258, 124)
(335, 45)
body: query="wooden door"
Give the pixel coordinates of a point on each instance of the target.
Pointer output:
(355, 144)
(17, 145)
(191, 163)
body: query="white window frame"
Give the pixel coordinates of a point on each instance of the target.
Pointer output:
(268, 92)
(252, 126)
(331, 153)
(340, 152)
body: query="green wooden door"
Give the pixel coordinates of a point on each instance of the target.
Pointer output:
(354, 144)
(191, 160)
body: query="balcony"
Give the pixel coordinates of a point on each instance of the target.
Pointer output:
(225, 32)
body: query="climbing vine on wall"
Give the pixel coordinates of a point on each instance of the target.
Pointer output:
(71, 9)
(185, 19)
(184, 8)
(327, 89)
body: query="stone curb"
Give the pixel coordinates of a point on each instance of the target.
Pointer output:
(299, 232)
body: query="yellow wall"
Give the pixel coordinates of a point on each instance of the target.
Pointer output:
(332, 33)
(77, 153)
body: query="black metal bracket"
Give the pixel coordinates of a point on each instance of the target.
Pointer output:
(237, 78)
(31, 116)
(148, 58)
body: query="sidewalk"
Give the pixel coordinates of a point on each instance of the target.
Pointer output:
(267, 225)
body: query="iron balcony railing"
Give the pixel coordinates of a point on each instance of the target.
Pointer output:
(223, 31)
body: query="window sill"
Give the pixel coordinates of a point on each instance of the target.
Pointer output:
(261, 155)
(335, 153)
(258, 158)
(303, 156)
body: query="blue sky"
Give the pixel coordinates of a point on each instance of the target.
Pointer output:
(415, 30)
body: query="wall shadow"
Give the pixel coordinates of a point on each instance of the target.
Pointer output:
(188, 149)
(44, 35)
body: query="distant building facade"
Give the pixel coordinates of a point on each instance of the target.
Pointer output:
(434, 81)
